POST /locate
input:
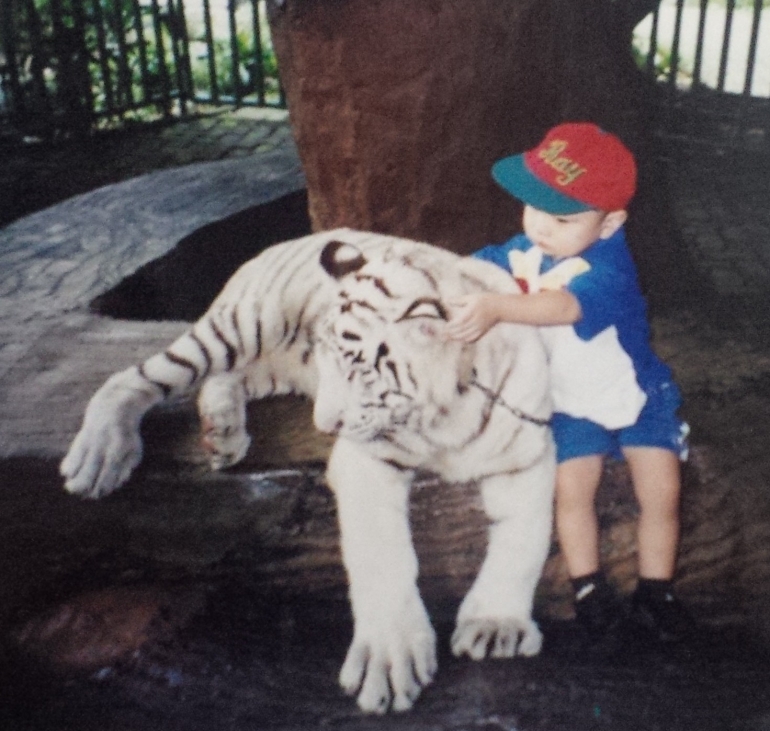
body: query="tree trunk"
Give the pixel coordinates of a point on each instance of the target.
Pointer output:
(400, 107)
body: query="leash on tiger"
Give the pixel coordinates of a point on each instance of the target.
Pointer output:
(497, 399)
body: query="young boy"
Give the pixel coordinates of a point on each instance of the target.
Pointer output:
(612, 395)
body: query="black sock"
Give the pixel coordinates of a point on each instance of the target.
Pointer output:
(654, 590)
(585, 585)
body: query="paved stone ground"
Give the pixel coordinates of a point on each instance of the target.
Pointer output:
(720, 201)
(37, 176)
(54, 261)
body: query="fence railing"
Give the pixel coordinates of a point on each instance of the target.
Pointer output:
(713, 59)
(722, 45)
(66, 65)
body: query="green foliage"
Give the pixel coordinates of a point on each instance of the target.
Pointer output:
(248, 76)
(113, 57)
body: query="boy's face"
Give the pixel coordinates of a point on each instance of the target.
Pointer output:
(570, 235)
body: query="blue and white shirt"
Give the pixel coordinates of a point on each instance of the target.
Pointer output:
(602, 365)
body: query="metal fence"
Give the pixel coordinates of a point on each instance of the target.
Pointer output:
(67, 65)
(712, 57)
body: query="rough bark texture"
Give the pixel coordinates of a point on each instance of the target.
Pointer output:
(399, 107)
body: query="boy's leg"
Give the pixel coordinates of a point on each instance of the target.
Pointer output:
(655, 474)
(580, 449)
(597, 609)
(656, 477)
(577, 481)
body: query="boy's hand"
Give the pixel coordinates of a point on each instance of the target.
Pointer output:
(471, 316)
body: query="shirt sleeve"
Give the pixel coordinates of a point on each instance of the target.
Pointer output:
(603, 294)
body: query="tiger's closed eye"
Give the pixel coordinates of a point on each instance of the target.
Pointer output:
(425, 307)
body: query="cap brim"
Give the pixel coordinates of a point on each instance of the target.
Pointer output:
(512, 174)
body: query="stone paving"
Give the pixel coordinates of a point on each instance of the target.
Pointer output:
(38, 176)
(53, 262)
(720, 200)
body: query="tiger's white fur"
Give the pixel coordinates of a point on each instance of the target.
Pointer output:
(356, 321)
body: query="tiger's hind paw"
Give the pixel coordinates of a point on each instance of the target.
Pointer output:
(498, 638)
(222, 409)
(225, 445)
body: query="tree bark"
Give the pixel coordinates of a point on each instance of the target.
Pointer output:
(400, 107)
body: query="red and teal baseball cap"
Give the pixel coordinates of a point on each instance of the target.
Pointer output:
(577, 167)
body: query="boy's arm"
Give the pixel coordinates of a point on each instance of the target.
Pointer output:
(474, 314)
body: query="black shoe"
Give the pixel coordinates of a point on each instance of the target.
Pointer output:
(600, 614)
(664, 617)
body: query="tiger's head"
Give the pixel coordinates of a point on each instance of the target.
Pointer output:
(383, 362)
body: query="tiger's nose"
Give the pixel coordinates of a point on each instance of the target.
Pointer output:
(336, 429)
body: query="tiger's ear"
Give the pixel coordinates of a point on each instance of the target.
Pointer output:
(340, 259)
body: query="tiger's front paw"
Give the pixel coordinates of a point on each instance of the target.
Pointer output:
(389, 663)
(101, 459)
(109, 445)
(481, 637)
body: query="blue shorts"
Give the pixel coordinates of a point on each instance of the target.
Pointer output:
(657, 426)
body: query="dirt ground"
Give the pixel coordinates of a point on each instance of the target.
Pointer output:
(231, 645)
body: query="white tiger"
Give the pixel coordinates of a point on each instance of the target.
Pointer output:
(362, 332)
